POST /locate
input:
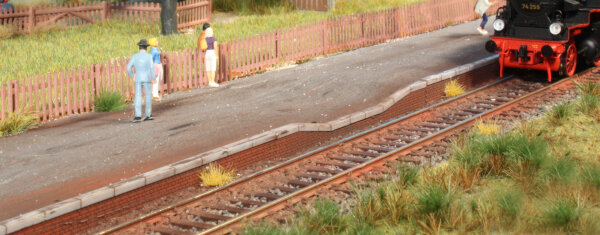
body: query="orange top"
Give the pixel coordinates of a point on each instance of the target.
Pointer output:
(200, 38)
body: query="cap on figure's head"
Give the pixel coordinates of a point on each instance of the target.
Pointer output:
(205, 26)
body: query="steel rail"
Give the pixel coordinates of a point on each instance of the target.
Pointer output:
(308, 191)
(157, 213)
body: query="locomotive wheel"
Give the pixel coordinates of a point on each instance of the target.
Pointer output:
(597, 61)
(569, 61)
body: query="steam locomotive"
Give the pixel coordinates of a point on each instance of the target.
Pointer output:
(548, 35)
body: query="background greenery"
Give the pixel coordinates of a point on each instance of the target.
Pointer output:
(60, 49)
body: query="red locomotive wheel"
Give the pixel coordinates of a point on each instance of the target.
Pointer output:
(597, 62)
(569, 61)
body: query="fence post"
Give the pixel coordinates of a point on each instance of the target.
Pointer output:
(95, 74)
(13, 92)
(362, 26)
(209, 9)
(167, 71)
(325, 41)
(31, 18)
(398, 23)
(106, 10)
(277, 46)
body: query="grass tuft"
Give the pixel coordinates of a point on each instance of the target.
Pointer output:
(510, 202)
(454, 88)
(324, 218)
(216, 175)
(433, 200)
(19, 121)
(591, 174)
(248, 7)
(562, 169)
(589, 104)
(562, 213)
(487, 128)
(560, 113)
(108, 101)
(7, 31)
(407, 175)
(589, 88)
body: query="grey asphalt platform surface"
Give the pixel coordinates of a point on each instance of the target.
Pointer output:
(78, 154)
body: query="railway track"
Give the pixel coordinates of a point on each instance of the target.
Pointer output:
(422, 138)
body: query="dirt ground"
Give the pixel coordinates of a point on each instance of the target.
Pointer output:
(77, 154)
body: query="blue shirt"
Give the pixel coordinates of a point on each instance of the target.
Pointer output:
(144, 70)
(155, 55)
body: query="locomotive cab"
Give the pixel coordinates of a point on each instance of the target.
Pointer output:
(549, 35)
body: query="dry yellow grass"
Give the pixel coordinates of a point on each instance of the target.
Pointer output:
(216, 175)
(487, 128)
(7, 31)
(454, 88)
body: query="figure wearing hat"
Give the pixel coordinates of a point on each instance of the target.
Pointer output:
(158, 69)
(144, 73)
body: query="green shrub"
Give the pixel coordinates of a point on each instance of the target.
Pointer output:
(588, 104)
(591, 174)
(407, 175)
(562, 213)
(589, 88)
(510, 202)
(560, 113)
(533, 152)
(17, 122)
(108, 101)
(562, 169)
(325, 218)
(247, 7)
(433, 200)
(262, 229)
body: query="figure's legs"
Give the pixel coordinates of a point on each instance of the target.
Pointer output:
(137, 101)
(155, 86)
(483, 21)
(148, 98)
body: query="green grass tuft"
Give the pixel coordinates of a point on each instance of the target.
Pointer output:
(562, 213)
(17, 122)
(7, 31)
(589, 88)
(247, 7)
(108, 101)
(433, 200)
(510, 201)
(325, 218)
(560, 113)
(562, 169)
(591, 174)
(407, 175)
(589, 104)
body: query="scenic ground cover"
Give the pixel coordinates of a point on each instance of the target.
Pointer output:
(543, 177)
(57, 49)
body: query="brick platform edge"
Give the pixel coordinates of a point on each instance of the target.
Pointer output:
(84, 212)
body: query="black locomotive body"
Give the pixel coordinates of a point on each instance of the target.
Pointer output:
(551, 35)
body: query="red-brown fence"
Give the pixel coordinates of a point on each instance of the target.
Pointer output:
(314, 5)
(64, 93)
(190, 13)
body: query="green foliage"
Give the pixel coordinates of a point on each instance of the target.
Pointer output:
(247, 7)
(560, 113)
(407, 175)
(591, 174)
(562, 169)
(433, 199)
(325, 218)
(589, 104)
(562, 213)
(263, 229)
(17, 122)
(493, 154)
(589, 88)
(108, 101)
(510, 201)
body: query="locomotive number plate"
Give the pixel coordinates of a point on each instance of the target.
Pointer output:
(531, 6)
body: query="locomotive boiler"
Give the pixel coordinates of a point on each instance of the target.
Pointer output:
(550, 35)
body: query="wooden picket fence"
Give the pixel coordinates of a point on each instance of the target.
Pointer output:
(190, 13)
(64, 93)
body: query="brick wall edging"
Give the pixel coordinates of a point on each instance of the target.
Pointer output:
(114, 189)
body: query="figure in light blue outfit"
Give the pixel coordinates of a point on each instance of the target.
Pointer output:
(144, 73)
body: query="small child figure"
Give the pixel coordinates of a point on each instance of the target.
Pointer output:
(480, 8)
(158, 69)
